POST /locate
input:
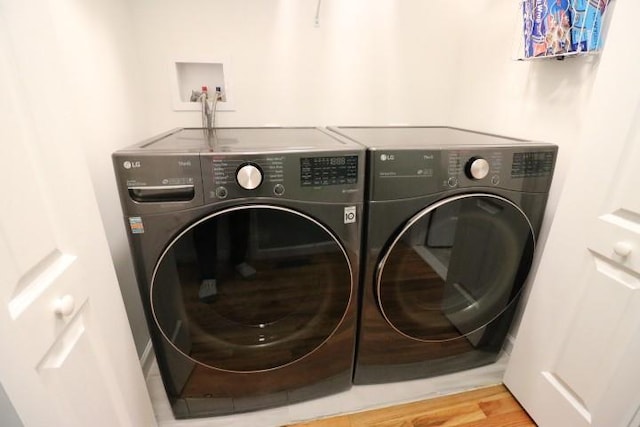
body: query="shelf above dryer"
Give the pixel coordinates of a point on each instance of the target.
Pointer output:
(560, 28)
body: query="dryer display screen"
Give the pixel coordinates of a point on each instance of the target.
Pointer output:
(324, 171)
(532, 164)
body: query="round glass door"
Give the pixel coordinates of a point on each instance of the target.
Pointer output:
(251, 288)
(455, 267)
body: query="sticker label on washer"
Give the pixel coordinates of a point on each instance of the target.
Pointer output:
(136, 225)
(349, 214)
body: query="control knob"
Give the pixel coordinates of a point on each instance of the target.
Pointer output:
(477, 168)
(249, 176)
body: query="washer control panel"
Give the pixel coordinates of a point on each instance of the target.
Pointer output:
(300, 176)
(249, 173)
(187, 168)
(324, 171)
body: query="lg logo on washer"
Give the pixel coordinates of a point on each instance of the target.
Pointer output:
(387, 157)
(129, 165)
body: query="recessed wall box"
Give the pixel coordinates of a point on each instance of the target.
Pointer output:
(191, 75)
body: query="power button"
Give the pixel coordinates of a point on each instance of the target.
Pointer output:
(278, 189)
(221, 193)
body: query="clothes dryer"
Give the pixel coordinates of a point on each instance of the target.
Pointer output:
(451, 223)
(246, 243)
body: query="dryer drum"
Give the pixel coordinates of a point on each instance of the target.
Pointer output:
(455, 267)
(251, 288)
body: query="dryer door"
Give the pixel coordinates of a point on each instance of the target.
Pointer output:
(455, 267)
(251, 288)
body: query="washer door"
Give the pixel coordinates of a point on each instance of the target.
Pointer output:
(251, 288)
(455, 267)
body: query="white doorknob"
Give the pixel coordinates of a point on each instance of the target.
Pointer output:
(622, 249)
(64, 306)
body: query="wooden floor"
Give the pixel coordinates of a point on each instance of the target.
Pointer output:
(487, 407)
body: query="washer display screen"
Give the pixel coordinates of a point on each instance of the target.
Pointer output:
(324, 171)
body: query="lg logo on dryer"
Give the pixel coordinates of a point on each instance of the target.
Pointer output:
(131, 164)
(387, 157)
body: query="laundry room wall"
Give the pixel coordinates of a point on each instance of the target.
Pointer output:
(366, 62)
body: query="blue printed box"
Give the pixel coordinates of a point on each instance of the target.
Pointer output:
(587, 26)
(547, 27)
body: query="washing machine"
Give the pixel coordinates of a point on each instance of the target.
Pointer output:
(451, 223)
(246, 244)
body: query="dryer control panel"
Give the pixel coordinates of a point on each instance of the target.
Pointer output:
(398, 173)
(531, 164)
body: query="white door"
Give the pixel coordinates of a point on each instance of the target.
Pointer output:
(71, 364)
(576, 360)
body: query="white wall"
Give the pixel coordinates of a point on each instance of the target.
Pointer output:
(368, 62)
(95, 41)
